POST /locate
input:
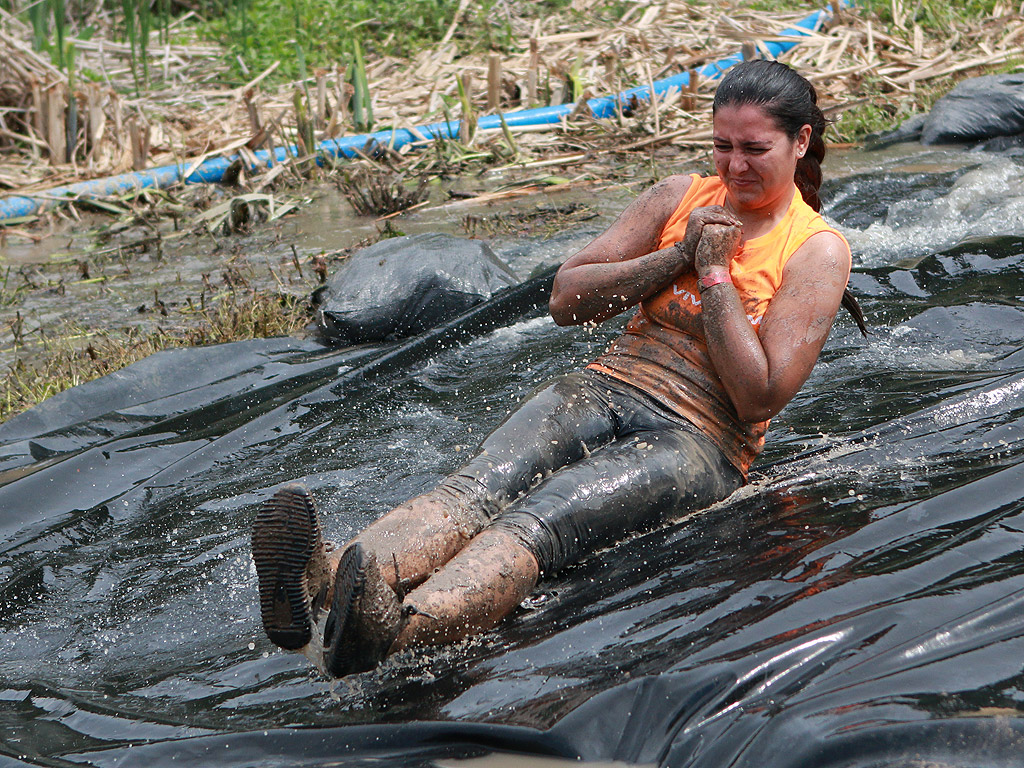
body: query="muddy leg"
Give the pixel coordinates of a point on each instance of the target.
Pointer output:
(420, 536)
(558, 425)
(479, 587)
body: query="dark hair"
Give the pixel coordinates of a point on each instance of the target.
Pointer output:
(792, 102)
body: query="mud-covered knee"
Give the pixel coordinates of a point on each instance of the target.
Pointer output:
(534, 536)
(468, 499)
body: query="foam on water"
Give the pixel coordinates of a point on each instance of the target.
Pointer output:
(987, 199)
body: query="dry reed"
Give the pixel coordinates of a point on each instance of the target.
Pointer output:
(190, 115)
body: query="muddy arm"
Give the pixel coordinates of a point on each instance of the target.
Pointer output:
(763, 372)
(624, 266)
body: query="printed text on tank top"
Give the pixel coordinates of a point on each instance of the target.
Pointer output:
(695, 302)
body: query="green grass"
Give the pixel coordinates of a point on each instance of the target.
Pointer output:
(856, 124)
(264, 31)
(935, 16)
(53, 21)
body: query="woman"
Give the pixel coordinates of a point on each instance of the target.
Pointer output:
(738, 281)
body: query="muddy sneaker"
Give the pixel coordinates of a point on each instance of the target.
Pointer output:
(365, 618)
(291, 565)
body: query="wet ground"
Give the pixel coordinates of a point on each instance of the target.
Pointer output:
(97, 272)
(858, 604)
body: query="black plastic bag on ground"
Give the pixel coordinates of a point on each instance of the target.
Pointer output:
(977, 109)
(404, 286)
(909, 130)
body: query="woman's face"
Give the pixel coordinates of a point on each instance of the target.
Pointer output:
(755, 158)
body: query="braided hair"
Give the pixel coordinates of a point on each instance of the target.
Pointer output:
(792, 102)
(790, 99)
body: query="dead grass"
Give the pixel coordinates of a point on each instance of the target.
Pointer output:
(378, 192)
(73, 355)
(856, 60)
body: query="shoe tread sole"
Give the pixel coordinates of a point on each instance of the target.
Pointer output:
(341, 654)
(284, 538)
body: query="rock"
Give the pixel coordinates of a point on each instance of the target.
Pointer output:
(403, 286)
(977, 109)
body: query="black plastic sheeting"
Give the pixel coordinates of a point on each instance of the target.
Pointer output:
(977, 108)
(406, 285)
(859, 604)
(987, 109)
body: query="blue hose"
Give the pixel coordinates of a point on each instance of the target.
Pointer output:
(213, 170)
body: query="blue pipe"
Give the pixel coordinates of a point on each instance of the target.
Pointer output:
(213, 170)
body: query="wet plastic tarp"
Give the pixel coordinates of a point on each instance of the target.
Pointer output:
(406, 285)
(977, 108)
(986, 109)
(859, 604)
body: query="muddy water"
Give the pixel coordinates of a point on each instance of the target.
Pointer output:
(858, 604)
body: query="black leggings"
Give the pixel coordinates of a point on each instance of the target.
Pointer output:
(586, 460)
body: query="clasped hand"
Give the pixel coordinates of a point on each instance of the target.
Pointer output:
(712, 237)
(717, 247)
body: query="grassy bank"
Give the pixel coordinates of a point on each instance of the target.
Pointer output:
(73, 355)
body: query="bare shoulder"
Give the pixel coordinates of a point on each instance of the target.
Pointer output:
(644, 218)
(664, 195)
(824, 253)
(678, 182)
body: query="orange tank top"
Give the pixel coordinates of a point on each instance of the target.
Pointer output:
(663, 351)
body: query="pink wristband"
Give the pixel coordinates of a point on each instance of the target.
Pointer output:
(714, 276)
